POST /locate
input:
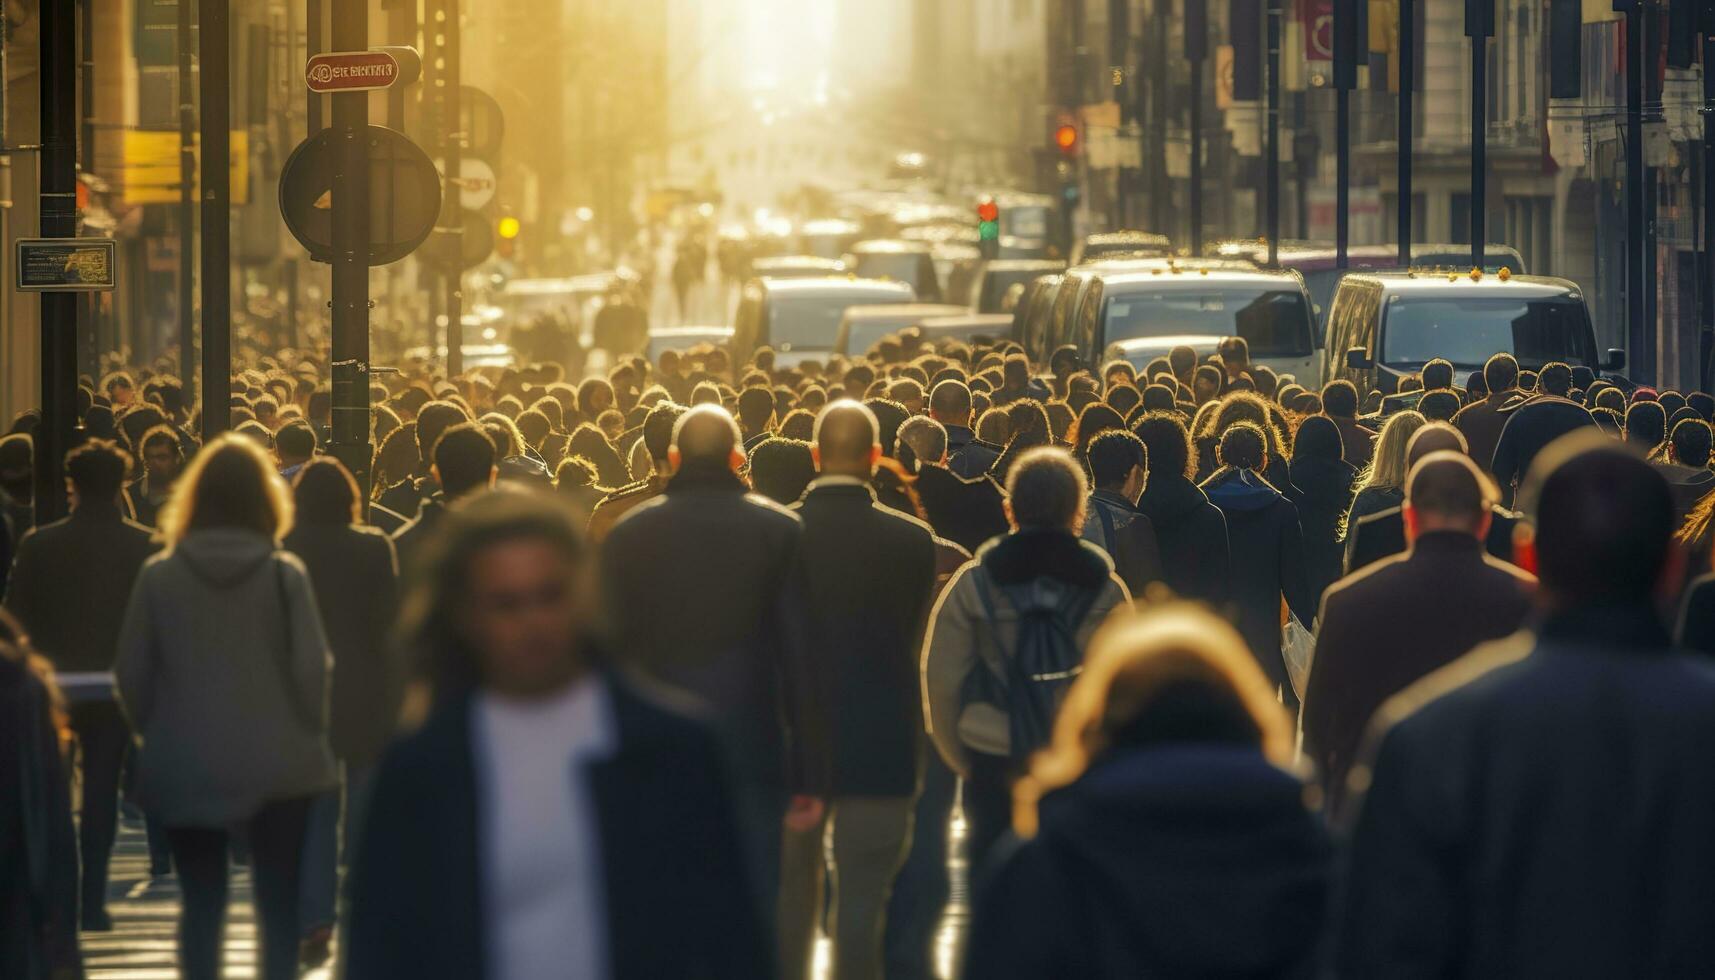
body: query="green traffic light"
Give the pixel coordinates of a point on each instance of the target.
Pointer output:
(989, 231)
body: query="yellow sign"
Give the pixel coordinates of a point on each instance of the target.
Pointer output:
(150, 174)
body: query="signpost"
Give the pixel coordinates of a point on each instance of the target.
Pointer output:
(51, 265)
(351, 71)
(403, 196)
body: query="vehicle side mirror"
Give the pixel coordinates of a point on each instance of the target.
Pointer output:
(1615, 361)
(1358, 359)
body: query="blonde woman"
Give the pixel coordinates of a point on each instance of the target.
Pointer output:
(1163, 835)
(223, 670)
(1381, 483)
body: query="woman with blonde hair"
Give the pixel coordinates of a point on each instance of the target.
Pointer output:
(223, 670)
(1162, 833)
(1381, 483)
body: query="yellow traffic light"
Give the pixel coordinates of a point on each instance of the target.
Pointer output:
(509, 227)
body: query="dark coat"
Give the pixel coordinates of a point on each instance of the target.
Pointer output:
(868, 577)
(1357, 442)
(1542, 809)
(71, 581)
(678, 902)
(356, 584)
(406, 496)
(701, 594)
(1531, 425)
(410, 540)
(1696, 630)
(589, 442)
(1320, 490)
(38, 847)
(1382, 535)
(968, 456)
(967, 512)
(1192, 535)
(1481, 424)
(1267, 563)
(1177, 861)
(1392, 624)
(1117, 527)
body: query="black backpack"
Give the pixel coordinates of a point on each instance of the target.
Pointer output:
(1043, 663)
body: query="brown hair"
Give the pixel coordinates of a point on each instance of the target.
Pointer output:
(231, 483)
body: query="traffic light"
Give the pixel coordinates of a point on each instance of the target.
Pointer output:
(509, 227)
(988, 220)
(1066, 138)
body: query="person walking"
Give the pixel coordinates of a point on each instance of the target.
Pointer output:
(223, 671)
(868, 576)
(1590, 735)
(1425, 608)
(657, 440)
(548, 818)
(967, 456)
(1163, 833)
(38, 846)
(1008, 635)
(354, 576)
(1533, 423)
(1481, 422)
(1382, 534)
(702, 594)
(1118, 465)
(69, 587)
(1340, 405)
(1267, 550)
(465, 463)
(1381, 484)
(1321, 488)
(1190, 531)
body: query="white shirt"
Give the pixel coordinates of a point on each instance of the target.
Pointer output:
(544, 897)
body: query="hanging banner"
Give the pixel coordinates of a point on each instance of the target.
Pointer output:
(1317, 16)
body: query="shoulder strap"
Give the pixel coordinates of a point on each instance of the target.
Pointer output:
(986, 596)
(283, 661)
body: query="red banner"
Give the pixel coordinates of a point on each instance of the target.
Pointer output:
(1317, 17)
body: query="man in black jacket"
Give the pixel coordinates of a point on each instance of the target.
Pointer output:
(967, 456)
(868, 576)
(1191, 532)
(1591, 739)
(69, 588)
(1119, 470)
(701, 591)
(1533, 423)
(549, 819)
(967, 512)
(1382, 535)
(1384, 629)
(464, 464)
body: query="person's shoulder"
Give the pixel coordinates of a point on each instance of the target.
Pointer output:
(774, 513)
(1506, 573)
(1446, 698)
(630, 490)
(900, 523)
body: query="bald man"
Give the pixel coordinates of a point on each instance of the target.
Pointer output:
(701, 587)
(1382, 535)
(867, 576)
(1389, 625)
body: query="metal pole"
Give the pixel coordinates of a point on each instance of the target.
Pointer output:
(1119, 39)
(215, 40)
(1407, 69)
(1708, 259)
(1478, 27)
(452, 210)
(1636, 336)
(312, 47)
(350, 201)
(89, 304)
(187, 208)
(1196, 156)
(1342, 175)
(58, 189)
(1272, 179)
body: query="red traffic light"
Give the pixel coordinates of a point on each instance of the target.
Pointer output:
(1066, 138)
(988, 210)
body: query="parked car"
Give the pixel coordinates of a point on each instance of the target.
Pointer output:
(1001, 275)
(800, 318)
(1137, 244)
(863, 326)
(912, 263)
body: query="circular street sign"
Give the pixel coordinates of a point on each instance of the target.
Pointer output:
(480, 120)
(476, 182)
(404, 195)
(476, 244)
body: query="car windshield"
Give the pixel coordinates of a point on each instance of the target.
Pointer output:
(812, 322)
(902, 266)
(1274, 322)
(1469, 330)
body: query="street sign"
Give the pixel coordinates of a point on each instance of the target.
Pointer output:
(53, 265)
(351, 71)
(476, 182)
(404, 195)
(476, 243)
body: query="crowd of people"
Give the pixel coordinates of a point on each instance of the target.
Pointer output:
(671, 671)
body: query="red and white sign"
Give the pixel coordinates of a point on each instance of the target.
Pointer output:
(1318, 19)
(351, 71)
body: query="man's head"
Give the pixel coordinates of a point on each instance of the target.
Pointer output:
(658, 432)
(1235, 353)
(1206, 384)
(1646, 425)
(464, 460)
(119, 389)
(1501, 373)
(96, 471)
(434, 419)
(163, 456)
(595, 396)
(1016, 371)
(1183, 360)
(1243, 446)
(1119, 463)
(1046, 489)
(1436, 437)
(294, 444)
(1167, 443)
(1340, 400)
(1439, 405)
(1437, 375)
(927, 439)
(17, 466)
(1604, 523)
(1446, 492)
(847, 440)
(1690, 444)
(950, 403)
(1064, 362)
(755, 409)
(1554, 379)
(706, 437)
